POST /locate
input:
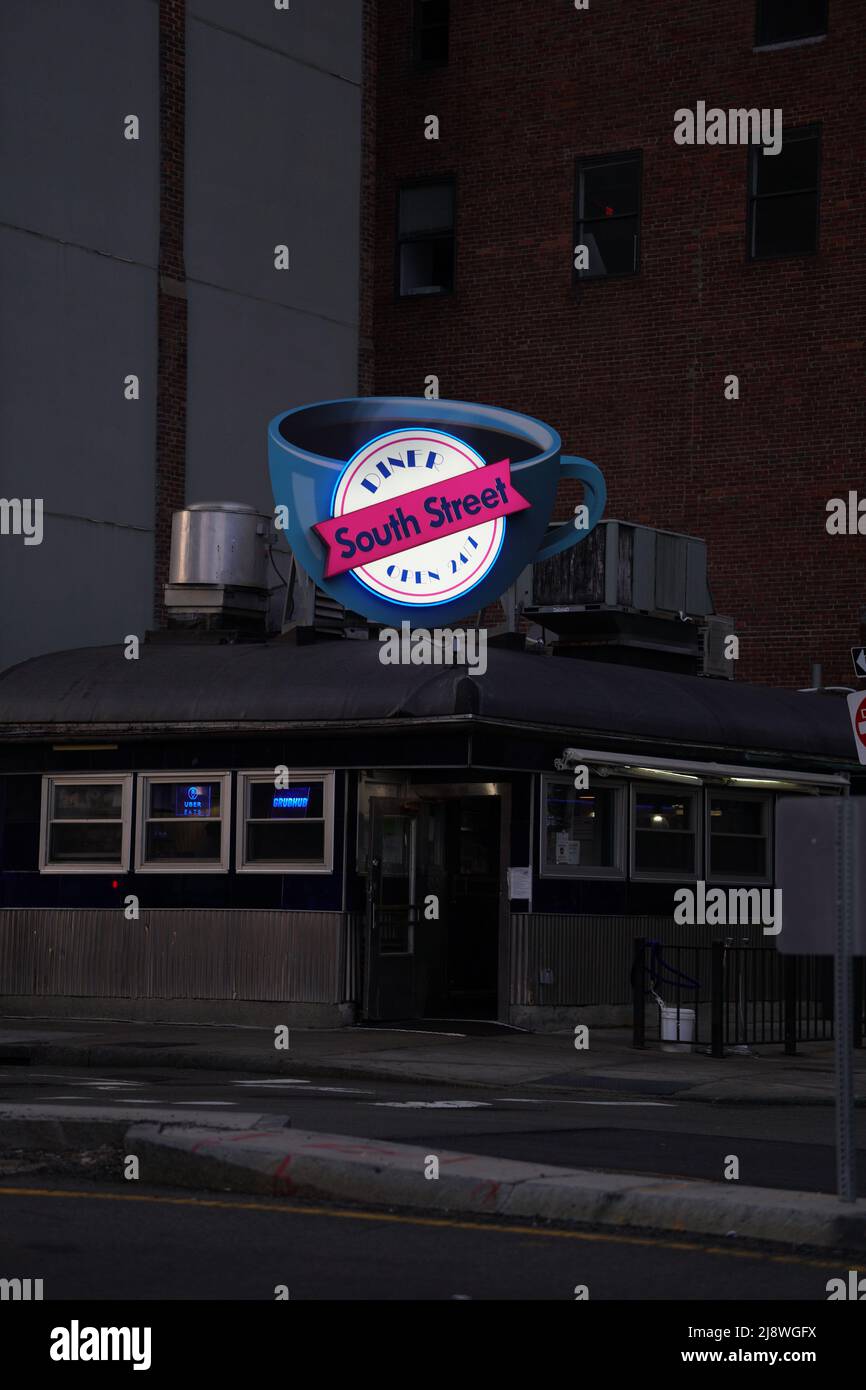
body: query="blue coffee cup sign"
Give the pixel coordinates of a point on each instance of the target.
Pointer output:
(402, 508)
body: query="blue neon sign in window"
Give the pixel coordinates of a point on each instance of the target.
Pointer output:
(193, 799)
(292, 799)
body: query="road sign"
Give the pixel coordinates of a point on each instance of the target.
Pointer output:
(809, 854)
(858, 656)
(857, 710)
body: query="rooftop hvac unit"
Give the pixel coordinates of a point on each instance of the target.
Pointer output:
(308, 607)
(628, 567)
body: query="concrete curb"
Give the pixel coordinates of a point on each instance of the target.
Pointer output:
(302, 1163)
(731, 1092)
(59, 1127)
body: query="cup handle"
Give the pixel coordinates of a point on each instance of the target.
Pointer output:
(595, 496)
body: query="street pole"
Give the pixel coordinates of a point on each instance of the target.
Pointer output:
(846, 906)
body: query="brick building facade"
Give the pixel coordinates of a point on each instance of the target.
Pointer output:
(631, 369)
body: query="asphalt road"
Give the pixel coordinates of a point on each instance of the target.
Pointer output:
(777, 1146)
(105, 1242)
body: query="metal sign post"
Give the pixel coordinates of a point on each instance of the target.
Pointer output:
(821, 870)
(846, 895)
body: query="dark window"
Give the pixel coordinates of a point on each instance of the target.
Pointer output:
(183, 822)
(739, 836)
(579, 828)
(425, 239)
(607, 215)
(289, 826)
(783, 189)
(784, 21)
(430, 33)
(176, 840)
(83, 843)
(85, 822)
(664, 832)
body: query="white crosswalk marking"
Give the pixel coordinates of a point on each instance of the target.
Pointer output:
(271, 1081)
(527, 1100)
(431, 1104)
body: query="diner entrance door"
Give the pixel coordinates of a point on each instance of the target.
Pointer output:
(434, 880)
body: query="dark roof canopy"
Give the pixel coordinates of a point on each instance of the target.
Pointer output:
(194, 685)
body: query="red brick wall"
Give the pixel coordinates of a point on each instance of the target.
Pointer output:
(631, 371)
(171, 304)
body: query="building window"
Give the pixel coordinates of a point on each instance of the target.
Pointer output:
(664, 832)
(738, 836)
(607, 215)
(85, 823)
(786, 21)
(183, 823)
(581, 833)
(430, 33)
(285, 829)
(783, 189)
(425, 238)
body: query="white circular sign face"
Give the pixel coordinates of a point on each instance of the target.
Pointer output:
(386, 470)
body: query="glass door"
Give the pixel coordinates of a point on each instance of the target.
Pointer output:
(392, 912)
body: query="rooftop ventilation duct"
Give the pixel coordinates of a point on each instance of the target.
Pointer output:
(218, 572)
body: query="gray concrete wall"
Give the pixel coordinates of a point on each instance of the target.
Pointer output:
(273, 157)
(79, 215)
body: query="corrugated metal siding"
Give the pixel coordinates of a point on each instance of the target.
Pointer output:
(591, 956)
(175, 954)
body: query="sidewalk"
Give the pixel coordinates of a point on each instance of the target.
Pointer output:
(540, 1060)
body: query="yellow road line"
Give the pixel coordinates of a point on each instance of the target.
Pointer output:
(287, 1209)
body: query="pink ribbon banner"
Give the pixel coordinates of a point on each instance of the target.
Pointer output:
(414, 518)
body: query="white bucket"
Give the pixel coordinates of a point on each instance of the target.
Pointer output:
(678, 1025)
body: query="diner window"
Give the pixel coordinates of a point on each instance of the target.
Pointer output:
(607, 215)
(430, 33)
(85, 823)
(285, 829)
(783, 196)
(425, 238)
(183, 823)
(786, 21)
(580, 830)
(738, 836)
(664, 836)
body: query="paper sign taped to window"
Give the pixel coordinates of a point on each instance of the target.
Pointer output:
(519, 883)
(567, 850)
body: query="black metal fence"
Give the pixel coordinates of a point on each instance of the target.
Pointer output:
(729, 995)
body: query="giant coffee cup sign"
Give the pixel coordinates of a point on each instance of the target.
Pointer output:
(421, 510)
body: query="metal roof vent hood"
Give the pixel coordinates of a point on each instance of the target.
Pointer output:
(218, 572)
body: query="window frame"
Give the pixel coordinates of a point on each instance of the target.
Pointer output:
(752, 198)
(426, 64)
(582, 277)
(692, 875)
(52, 779)
(428, 181)
(761, 44)
(182, 866)
(245, 778)
(618, 869)
(768, 800)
